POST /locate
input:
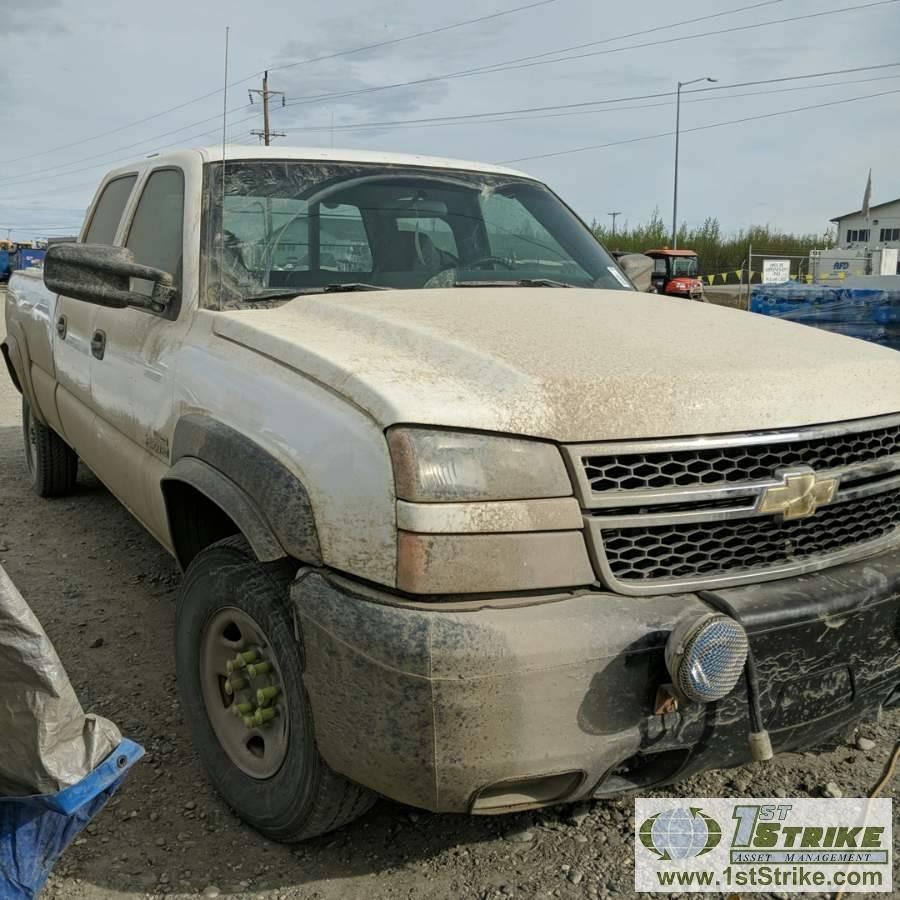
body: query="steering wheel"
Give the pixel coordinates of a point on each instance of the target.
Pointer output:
(481, 262)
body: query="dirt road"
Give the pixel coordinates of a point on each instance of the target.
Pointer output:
(106, 593)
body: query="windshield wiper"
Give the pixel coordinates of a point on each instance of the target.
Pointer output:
(281, 295)
(521, 282)
(336, 288)
(353, 286)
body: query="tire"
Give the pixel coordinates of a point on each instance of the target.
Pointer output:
(225, 595)
(52, 464)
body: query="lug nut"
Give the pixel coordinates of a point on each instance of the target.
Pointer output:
(241, 660)
(249, 722)
(233, 684)
(260, 668)
(243, 709)
(261, 716)
(265, 695)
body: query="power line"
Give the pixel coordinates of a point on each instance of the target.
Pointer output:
(662, 134)
(112, 163)
(508, 115)
(612, 109)
(339, 53)
(582, 105)
(391, 41)
(52, 172)
(56, 169)
(530, 61)
(130, 159)
(527, 62)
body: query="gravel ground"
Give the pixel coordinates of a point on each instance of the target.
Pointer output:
(106, 592)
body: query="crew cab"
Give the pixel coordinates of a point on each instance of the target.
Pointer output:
(465, 520)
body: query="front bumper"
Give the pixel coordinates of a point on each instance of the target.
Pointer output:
(467, 707)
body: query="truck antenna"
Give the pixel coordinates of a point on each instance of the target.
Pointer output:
(222, 195)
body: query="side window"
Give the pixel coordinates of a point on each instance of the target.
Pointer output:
(108, 211)
(659, 266)
(155, 236)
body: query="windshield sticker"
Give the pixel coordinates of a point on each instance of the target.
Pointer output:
(618, 276)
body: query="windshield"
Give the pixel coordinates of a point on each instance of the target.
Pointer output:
(305, 226)
(684, 266)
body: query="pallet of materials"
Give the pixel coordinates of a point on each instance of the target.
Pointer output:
(869, 313)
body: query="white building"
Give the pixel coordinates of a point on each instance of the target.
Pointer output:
(882, 229)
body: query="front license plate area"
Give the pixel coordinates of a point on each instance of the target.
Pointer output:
(811, 697)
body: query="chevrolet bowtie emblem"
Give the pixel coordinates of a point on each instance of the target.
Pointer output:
(799, 495)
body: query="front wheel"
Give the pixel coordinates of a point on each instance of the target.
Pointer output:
(240, 672)
(51, 463)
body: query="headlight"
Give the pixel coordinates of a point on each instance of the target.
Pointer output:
(447, 466)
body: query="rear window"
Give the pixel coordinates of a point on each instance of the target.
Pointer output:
(108, 211)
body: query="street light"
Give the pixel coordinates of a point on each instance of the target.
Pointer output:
(614, 215)
(681, 84)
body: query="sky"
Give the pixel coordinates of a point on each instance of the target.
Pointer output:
(77, 79)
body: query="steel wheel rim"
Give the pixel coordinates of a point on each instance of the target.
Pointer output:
(257, 749)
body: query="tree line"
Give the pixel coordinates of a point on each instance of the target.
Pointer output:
(718, 252)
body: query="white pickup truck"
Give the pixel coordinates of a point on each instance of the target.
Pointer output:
(466, 521)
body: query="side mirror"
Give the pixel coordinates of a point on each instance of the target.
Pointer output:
(97, 273)
(638, 268)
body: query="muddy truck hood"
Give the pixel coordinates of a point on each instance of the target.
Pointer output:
(570, 364)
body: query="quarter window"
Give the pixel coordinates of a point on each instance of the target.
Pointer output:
(155, 236)
(108, 211)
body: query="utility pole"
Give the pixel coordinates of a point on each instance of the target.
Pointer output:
(614, 215)
(266, 134)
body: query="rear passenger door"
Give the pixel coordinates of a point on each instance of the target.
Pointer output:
(74, 325)
(132, 379)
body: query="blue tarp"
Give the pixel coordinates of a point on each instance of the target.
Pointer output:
(867, 313)
(35, 830)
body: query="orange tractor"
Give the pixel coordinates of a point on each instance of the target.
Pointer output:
(676, 273)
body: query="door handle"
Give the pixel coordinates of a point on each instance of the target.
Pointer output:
(98, 344)
(62, 326)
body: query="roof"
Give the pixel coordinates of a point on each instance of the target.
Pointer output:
(859, 211)
(322, 154)
(666, 251)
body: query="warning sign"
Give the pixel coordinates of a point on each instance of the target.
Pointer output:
(776, 271)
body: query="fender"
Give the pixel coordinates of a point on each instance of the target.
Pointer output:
(279, 499)
(232, 500)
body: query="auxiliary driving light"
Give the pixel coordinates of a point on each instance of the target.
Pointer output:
(705, 656)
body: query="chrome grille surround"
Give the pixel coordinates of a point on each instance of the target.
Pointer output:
(639, 536)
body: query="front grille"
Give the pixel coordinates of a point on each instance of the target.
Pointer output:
(735, 464)
(711, 549)
(683, 513)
